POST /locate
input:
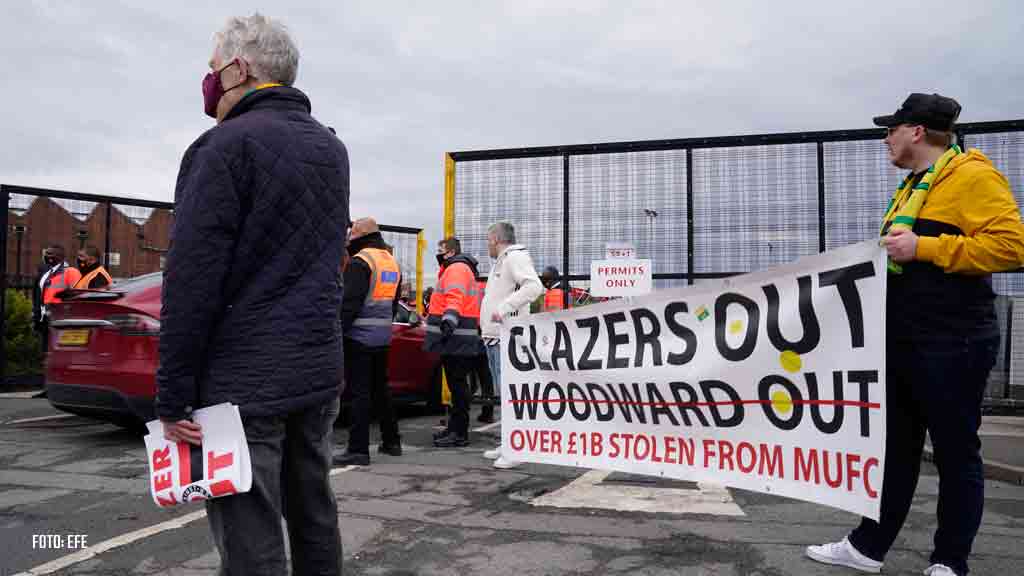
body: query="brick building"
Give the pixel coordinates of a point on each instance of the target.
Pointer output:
(138, 236)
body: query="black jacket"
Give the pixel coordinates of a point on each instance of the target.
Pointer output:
(252, 286)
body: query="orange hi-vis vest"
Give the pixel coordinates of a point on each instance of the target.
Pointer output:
(456, 300)
(372, 325)
(553, 300)
(59, 281)
(88, 278)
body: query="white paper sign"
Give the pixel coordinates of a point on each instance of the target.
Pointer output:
(620, 277)
(614, 250)
(181, 472)
(772, 381)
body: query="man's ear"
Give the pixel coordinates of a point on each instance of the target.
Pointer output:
(919, 132)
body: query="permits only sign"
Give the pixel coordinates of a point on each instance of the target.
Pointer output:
(620, 277)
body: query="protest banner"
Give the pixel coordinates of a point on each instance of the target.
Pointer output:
(772, 381)
(181, 472)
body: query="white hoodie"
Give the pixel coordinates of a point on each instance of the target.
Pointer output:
(512, 286)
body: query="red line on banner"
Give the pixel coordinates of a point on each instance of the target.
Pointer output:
(853, 403)
(184, 464)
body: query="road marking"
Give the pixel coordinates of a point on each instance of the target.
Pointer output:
(125, 539)
(42, 418)
(486, 428)
(587, 491)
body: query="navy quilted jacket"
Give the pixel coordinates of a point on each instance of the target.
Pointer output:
(252, 287)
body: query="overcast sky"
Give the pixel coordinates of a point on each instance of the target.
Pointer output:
(104, 97)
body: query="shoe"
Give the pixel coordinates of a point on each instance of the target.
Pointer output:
(485, 418)
(451, 441)
(493, 454)
(441, 433)
(939, 570)
(352, 459)
(844, 554)
(504, 463)
(390, 449)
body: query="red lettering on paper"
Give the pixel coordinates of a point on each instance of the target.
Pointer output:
(222, 488)
(214, 463)
(161, 458)
(162, 482)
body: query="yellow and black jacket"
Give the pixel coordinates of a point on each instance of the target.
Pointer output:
(968, 228)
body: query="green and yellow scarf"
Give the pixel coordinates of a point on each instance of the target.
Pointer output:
(906, 204)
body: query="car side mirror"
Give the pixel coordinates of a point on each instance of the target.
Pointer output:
(414, 319)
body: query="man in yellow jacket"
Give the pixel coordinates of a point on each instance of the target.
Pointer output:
(951, 224)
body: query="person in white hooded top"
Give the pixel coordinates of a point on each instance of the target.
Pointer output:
(512, 285)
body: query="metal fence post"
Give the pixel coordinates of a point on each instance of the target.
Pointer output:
(1008, 352)
(689, 216)
(821, 196)
(6, 203)
(565, 233)
(106, 243)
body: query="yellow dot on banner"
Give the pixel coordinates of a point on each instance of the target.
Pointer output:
(781, 401)
(791, 361)
(736, 327)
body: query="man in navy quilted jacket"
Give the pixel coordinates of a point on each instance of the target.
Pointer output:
(252, 299)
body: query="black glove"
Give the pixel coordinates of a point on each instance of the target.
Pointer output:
(447, 327)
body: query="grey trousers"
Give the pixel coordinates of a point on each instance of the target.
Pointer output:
(291, 460)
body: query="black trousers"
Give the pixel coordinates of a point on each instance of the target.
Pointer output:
(456, 371)
(938, 388)
(366, 375)
(291, 462)
(482, 369)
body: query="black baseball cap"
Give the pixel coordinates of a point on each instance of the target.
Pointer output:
(929, 110)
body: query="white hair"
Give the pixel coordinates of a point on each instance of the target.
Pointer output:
(264, 44)
(503, 232)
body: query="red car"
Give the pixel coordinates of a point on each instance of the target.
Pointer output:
(104, 351)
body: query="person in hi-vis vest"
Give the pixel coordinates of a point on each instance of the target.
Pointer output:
(58, 278)
(554, 297)
(453, 324)
(94, 275)
(371, 285)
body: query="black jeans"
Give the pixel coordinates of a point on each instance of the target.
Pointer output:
(456, 371)
(938, 388)
(290, 464)
(366, 374)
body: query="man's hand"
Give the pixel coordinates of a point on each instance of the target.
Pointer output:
(496, 317)
(901, 245)
(183, 431)
(447, 327)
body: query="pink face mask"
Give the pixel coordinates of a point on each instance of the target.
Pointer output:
(213, 90)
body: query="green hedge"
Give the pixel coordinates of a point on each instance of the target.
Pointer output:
(22, 354)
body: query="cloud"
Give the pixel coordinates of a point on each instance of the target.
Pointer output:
(105, 96)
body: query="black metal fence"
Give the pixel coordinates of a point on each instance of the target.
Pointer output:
(704, 208)
(132, 234)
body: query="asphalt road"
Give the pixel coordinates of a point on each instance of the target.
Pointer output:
(70, 482)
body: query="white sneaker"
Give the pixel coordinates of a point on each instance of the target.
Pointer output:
(505, 463)
(844, 554)
(493, 454)
(939, 570)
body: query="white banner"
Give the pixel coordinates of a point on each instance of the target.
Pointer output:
(772, 381)
(181, 472)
